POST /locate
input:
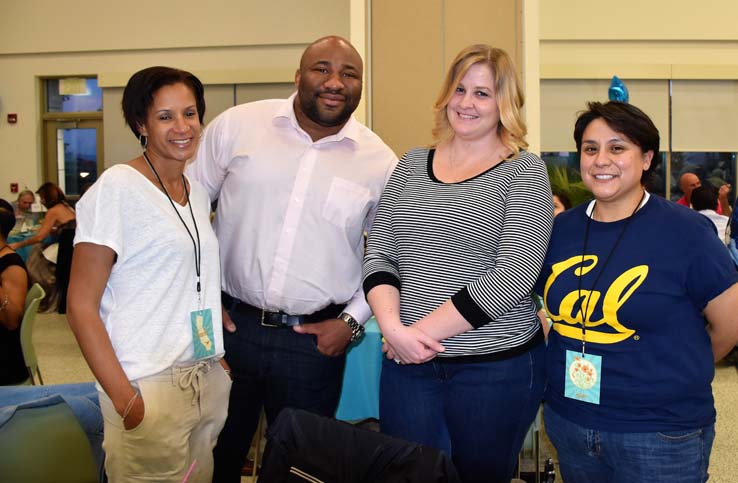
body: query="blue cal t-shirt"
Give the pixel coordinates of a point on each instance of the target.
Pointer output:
(645, 316)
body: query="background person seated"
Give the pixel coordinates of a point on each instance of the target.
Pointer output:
(13, 289)
(41, 266)
(22, 205)
(688, 182)
(705, 201)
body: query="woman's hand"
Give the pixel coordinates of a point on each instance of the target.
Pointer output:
(135, 415)
(409, 345)
(15, 245)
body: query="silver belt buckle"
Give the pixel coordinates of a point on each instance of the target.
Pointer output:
(266, 323)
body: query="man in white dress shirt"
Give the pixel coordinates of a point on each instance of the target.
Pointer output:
(297, 182)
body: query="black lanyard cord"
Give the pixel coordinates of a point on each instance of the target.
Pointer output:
(196, 246)
(584, 312)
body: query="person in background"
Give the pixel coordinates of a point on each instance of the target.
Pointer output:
(561, 202)
(41, 261)
(705, 201)
(689, 181)
(144, 295)
(628, 282)
(22, 206)
(457, 244)
(297, 182)
(13, 290)
(59, 213)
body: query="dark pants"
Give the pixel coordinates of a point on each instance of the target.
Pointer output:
(477, 412)
(271, 368)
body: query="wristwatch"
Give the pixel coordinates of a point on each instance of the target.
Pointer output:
(357, 330)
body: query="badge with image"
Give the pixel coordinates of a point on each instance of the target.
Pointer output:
(203, 339)
(582, 377)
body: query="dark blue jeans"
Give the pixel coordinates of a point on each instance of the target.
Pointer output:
(477, 412)
(587, 455)
(271, 368)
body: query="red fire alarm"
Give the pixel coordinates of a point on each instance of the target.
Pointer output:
(12, 118)
(13, 187)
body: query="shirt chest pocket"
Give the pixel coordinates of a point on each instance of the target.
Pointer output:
(347, 203)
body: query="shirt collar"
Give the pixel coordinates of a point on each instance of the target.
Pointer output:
(285, 115)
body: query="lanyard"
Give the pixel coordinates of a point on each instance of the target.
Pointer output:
(584, 309)
(196, 246)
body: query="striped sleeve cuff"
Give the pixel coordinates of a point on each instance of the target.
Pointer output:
(380, 278)
(469, 309)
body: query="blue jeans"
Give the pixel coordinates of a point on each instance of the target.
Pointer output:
(81, 398)
(477, 412)
(587, 455)
(271, 368)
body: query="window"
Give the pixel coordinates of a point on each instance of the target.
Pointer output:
(73, 95)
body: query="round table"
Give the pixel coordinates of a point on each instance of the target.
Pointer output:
(24, 252)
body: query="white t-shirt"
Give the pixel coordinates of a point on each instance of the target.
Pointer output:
(152, 287)
(721, 223)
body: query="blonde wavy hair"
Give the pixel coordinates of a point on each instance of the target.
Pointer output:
(510, 99)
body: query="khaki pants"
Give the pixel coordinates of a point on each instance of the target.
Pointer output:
(185, 409)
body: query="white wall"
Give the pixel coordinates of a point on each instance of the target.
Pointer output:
(236, 41)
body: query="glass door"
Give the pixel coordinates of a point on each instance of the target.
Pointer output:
(74, 153)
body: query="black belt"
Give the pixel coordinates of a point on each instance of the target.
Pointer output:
(280, 319)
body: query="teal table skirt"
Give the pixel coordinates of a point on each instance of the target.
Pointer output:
(360, 393)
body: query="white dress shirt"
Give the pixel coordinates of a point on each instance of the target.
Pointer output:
(291, 212)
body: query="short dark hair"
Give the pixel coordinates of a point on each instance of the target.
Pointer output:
(626, 119)
(7, 218)
(704, 198)
(52, 195)
(138, 94)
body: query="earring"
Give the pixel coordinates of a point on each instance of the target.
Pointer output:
(143, 140)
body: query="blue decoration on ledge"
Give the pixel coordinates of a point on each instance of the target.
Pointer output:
(617, 91)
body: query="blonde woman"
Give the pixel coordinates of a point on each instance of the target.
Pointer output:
(456, 247)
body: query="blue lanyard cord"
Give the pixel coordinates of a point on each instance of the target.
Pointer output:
(196, 246)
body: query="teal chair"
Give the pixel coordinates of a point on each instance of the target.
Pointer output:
(45, 444)
(33, 299)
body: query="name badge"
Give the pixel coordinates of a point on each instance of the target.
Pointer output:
(203, 339)
(583, 377)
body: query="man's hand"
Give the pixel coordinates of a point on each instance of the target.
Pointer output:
(724, 191)
(333, 335)
(723, 199)
(227, 322)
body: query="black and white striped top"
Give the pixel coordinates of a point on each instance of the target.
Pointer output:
(480, 242)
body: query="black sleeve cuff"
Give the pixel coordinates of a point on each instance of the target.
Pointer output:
(469, 309)
(380, 278)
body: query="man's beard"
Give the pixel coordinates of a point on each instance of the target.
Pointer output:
(310, 108)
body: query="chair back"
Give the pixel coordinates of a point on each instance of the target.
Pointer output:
(45, 444)
(33, 298)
